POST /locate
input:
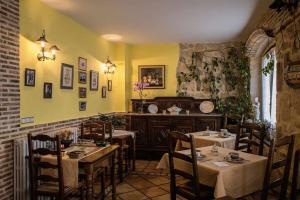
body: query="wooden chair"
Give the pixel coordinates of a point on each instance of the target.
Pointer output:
(295, 191)
(46, 185)
(285, 163)
(193, 189)
(251, 135)
(93, 131)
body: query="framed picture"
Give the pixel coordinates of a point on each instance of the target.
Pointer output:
(82, 105)
(104, 92)
(82, 63)
(154, 75)
(82, 92)
(66, 76)
(47, 90)
(109, 85)
(94, 79)
(29, 77)
(82, 77)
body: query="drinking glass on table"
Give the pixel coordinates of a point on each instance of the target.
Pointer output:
(215, 149)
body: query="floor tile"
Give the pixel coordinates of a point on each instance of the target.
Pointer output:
(135, 195)
(153, 191)
(163, 197)
(124, 187)
(139, 183)
(157, 180)
(165, 187)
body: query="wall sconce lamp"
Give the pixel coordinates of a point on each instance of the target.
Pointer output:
(44, 54)
(109, 67)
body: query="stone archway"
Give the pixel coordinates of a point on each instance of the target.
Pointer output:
(257, 43)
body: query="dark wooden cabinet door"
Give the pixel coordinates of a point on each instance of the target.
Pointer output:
(139, 125)
(182, 125)
(202, 124)
(159, 129)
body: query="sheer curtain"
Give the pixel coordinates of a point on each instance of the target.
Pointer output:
(269, 91)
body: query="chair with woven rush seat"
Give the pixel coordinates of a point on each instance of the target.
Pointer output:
(43, 185)
(192, 189)
(295, 193)
(284, 162)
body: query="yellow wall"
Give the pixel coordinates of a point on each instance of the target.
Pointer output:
(74, 40)
(160, 54)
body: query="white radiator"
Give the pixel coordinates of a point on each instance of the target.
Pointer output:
(21, 170)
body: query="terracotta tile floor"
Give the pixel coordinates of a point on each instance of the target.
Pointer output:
(148, 183)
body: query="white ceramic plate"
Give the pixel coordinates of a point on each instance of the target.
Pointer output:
(152, 108)
(207, 107)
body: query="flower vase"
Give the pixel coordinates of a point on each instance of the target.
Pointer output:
(141, 108)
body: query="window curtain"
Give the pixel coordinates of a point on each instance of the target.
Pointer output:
(269, 91)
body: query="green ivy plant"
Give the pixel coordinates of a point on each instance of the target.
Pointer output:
(235, 73)
(269, 67)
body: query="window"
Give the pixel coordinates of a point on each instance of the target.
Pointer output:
(269, 89)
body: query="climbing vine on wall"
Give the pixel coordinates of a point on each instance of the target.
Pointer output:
(230, 68)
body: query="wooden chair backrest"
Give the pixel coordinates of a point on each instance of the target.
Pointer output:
(285, 163)
(191, 158)
(295, 191)
(92, 130)
(251, 134)
(36, 163)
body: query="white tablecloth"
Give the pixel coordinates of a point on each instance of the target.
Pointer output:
(202, 139)
(232, 180)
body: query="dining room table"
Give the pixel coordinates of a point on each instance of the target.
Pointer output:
(209, 138)
(91, 157)
(228, 177)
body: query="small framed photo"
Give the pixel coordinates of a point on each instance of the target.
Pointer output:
(82, 105)
(104, 92)
(82, 63)
(109, 85)
(47, 90)
(82, 77)
(66, 76)
(82, 92)
(94, 79)
(154, 75)
(29, 77)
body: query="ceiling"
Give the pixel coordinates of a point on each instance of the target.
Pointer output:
(166, 21)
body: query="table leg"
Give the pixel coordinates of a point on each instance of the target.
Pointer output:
(121, 152)
(112, 177)
(89, 173)
(133, 154)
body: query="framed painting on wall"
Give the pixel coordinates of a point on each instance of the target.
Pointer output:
(94, 79)
(82, 63)
(104, 92)
(29, 77)
(109, 85)
(154, 75)
(47, 90)
(66, 76)
(82, 77)
(82, 92)
(82, 105)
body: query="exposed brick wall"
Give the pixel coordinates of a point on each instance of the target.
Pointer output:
(9, 66)
(9, 91)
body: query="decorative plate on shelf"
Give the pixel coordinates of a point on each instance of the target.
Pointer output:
(207, 107)
(152, 108)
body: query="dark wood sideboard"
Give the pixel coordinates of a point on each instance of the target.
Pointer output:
(152, 129)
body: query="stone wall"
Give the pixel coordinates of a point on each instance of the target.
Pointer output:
(288, 104)
(205, 53)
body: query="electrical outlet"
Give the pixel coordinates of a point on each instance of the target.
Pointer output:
(27, 120)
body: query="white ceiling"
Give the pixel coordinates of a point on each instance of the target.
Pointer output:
(166, 21)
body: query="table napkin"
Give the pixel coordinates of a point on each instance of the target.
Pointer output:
(220, 164)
